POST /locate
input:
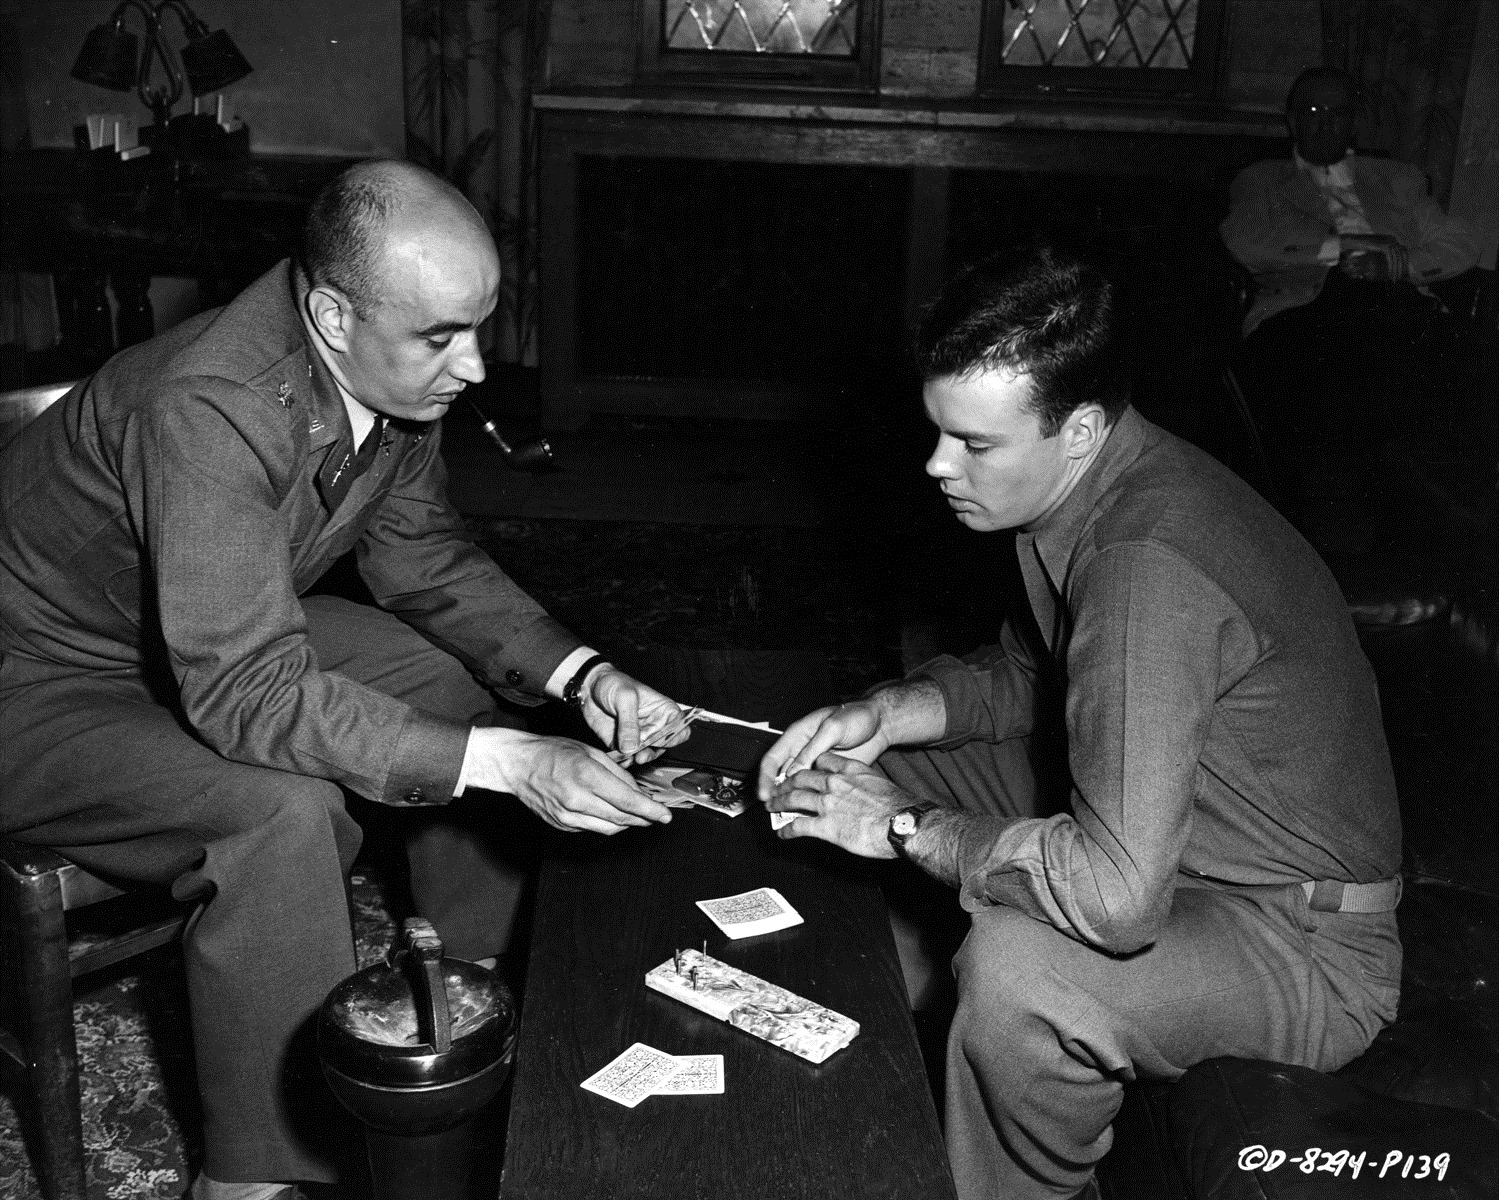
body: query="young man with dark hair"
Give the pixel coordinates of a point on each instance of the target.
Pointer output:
(176, 709)
(1223, 876)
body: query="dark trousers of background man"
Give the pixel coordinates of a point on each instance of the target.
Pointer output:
(100, 769)
(1048, 1029)
(1334, 381)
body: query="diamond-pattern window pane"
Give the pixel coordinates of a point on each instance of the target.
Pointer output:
(826, 27)
(1137, 34)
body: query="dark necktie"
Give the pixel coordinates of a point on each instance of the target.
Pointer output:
(345, 465)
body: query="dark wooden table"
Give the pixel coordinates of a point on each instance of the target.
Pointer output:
(860, 1125)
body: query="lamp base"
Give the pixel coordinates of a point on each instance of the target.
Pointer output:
(199, 135)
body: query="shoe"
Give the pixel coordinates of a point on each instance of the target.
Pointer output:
(289, 1192)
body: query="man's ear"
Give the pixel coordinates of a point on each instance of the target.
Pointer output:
(331, 315)
(1084, 430)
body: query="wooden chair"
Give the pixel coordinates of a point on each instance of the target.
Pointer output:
(37, 967)
(37, 961)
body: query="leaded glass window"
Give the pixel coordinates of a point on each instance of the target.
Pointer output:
(811, 42)
(762, 26)
(1080, 46)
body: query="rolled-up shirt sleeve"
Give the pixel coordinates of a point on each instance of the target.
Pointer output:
(989, 695)
(1142, 677)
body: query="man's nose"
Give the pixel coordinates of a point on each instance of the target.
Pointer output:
(940, 465)
(468, 363)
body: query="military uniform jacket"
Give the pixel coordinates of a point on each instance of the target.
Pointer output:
(162, 519)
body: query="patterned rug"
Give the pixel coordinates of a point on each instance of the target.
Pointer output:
(626, 588)
(141, 1127)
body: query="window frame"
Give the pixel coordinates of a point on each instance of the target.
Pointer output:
(727, 68)
(1197, 84)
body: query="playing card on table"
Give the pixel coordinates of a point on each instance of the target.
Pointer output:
(632, 1076)
(763, 910)
(697, 1075)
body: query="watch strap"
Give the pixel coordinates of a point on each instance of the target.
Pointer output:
(916, 811)
(572, 690)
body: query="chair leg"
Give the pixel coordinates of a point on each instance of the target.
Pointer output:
(41, 993)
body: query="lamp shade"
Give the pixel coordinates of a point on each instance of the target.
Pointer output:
(212, 62)
(108, 58)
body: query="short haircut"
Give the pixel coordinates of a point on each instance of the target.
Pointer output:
(1038, 309)
(342, 237)
(1317, 75)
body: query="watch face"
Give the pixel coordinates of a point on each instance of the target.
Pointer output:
(903, 824)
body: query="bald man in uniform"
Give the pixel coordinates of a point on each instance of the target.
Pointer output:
(176, 709)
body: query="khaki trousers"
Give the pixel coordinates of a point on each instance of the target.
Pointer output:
(1048, 1030)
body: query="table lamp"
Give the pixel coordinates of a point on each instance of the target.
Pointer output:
(210, 60)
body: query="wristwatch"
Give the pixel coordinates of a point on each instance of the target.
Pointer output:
(572, 691)
(905, 823)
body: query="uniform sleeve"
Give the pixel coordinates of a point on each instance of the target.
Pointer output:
(1265, 235)
(1142, 672)
(207, 509)
(421, 564)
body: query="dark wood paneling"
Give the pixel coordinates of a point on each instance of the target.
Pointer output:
(894, 144)
(1168, 149)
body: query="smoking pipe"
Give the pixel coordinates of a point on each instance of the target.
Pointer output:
(535, 455)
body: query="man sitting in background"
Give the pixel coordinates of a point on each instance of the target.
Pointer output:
(1340, 330)
(1223, 873)
(176, 709)
(1326, 216)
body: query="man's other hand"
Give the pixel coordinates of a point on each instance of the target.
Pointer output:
(625, 714)
(570, 786)
(1373, 258)
(842, 801)
(853, 729)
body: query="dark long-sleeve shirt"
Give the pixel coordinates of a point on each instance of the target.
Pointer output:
(1221, 718)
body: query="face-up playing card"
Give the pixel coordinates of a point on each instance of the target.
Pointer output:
(763, 910)
(696, 1075)
(632, 1076)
